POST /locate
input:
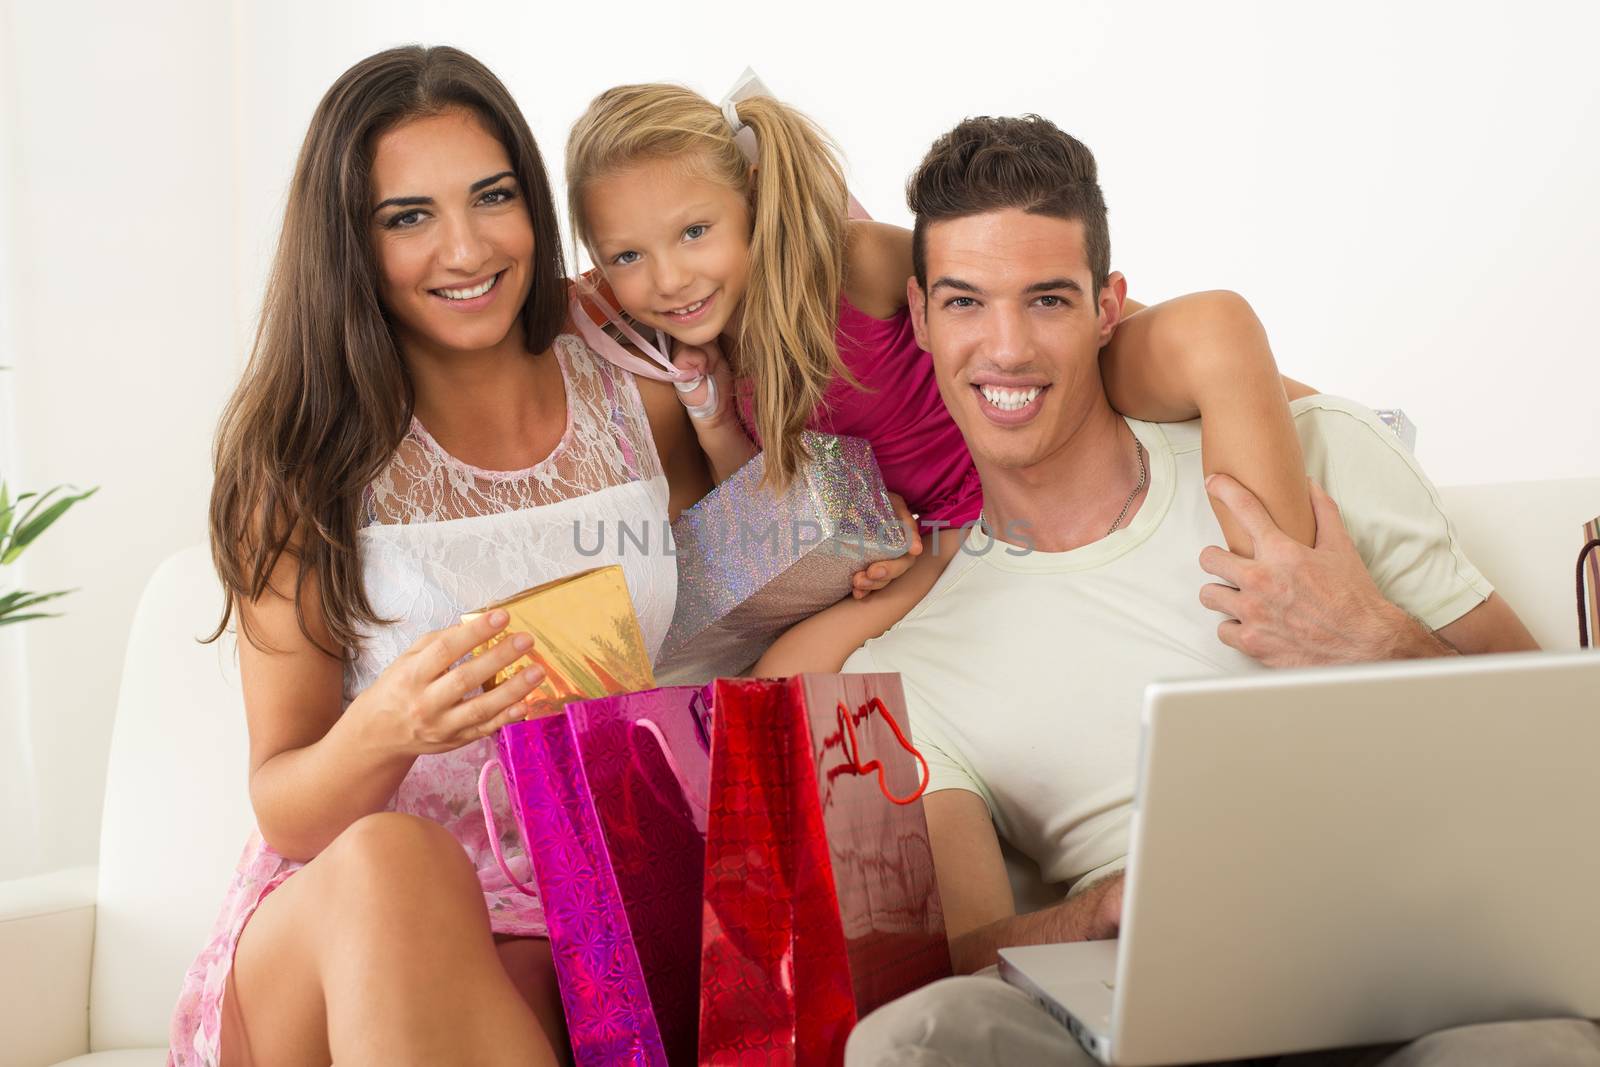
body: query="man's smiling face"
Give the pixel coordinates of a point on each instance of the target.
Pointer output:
(1015, 329)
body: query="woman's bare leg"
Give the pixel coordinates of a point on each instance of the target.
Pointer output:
(378, 952)
(527, 960)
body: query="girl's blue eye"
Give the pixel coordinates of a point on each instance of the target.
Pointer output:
(622, 259)
(695, 232)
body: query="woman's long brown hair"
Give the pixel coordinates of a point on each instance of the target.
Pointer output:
(325, 399)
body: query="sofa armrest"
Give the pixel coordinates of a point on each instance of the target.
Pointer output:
(46, 948)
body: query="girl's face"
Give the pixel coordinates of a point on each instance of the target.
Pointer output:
(674, 245)
(453, 238)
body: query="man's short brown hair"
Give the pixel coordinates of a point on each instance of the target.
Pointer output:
(990, 164)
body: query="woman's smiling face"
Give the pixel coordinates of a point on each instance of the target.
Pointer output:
(673, 244)
(451, 233)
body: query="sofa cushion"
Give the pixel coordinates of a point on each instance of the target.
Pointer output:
(124, 1057)
(177, 810)
(46, 942)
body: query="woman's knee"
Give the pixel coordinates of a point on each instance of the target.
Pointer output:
(394, 850)
(394, 836)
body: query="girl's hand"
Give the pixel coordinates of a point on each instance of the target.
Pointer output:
(711, 400)
(880, 574)
(422, 704)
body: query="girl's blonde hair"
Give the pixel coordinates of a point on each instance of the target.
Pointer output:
(786, 344)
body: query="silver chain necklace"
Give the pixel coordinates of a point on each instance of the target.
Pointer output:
(1144, 473)
(1138, 450)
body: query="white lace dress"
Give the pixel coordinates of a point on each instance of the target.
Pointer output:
(443, 538)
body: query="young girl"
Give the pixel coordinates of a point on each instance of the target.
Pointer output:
(414, 437)
(752, 267)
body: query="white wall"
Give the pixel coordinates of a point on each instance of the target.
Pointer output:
(19, 812)
(121, 207)
(1404, 192)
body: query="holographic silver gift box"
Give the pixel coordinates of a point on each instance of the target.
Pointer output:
(753, 562)
(1403, 427)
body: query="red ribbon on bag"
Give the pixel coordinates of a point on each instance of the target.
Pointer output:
(852, 748)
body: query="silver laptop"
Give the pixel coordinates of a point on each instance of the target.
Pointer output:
(1328, 858)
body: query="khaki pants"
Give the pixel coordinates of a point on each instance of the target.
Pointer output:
(979, 1021)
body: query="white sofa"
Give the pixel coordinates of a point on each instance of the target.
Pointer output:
(91, 959)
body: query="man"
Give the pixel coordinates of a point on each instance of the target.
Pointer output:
(1025, 665)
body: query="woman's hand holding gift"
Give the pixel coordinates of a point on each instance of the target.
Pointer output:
(428, 700)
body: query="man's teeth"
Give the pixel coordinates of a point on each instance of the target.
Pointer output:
(468, 294)
(1009, 399)
(690, 310)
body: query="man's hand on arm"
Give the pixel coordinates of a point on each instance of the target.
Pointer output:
(1294, 606)
(979, 916)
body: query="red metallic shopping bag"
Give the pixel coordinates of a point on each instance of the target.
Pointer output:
(820, 897)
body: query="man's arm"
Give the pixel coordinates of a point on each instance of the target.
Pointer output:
(1490, 627)
(979, 915)
(1294, 606)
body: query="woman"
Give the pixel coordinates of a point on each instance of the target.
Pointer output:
(414, 438)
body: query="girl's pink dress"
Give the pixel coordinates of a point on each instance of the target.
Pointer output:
(900, 413)
(443, 538)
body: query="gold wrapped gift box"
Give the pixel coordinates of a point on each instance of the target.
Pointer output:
(585, 636)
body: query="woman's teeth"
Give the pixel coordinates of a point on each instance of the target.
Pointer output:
(1009, 399)
(468, 294)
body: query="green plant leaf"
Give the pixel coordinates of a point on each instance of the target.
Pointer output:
(5, 512)
(22, 599)
(38, 502)
(32, 525)
(6, 620)
(8, 512)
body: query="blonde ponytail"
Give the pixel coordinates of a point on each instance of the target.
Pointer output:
(786, 344)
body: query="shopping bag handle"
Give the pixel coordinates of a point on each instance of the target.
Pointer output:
(852, 749)
(494, 830)
(702, 721)
(653, 361)
(1583, 616)
(649, 726)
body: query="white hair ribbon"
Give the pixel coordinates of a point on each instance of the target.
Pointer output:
(744, 88)
(747, 85)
